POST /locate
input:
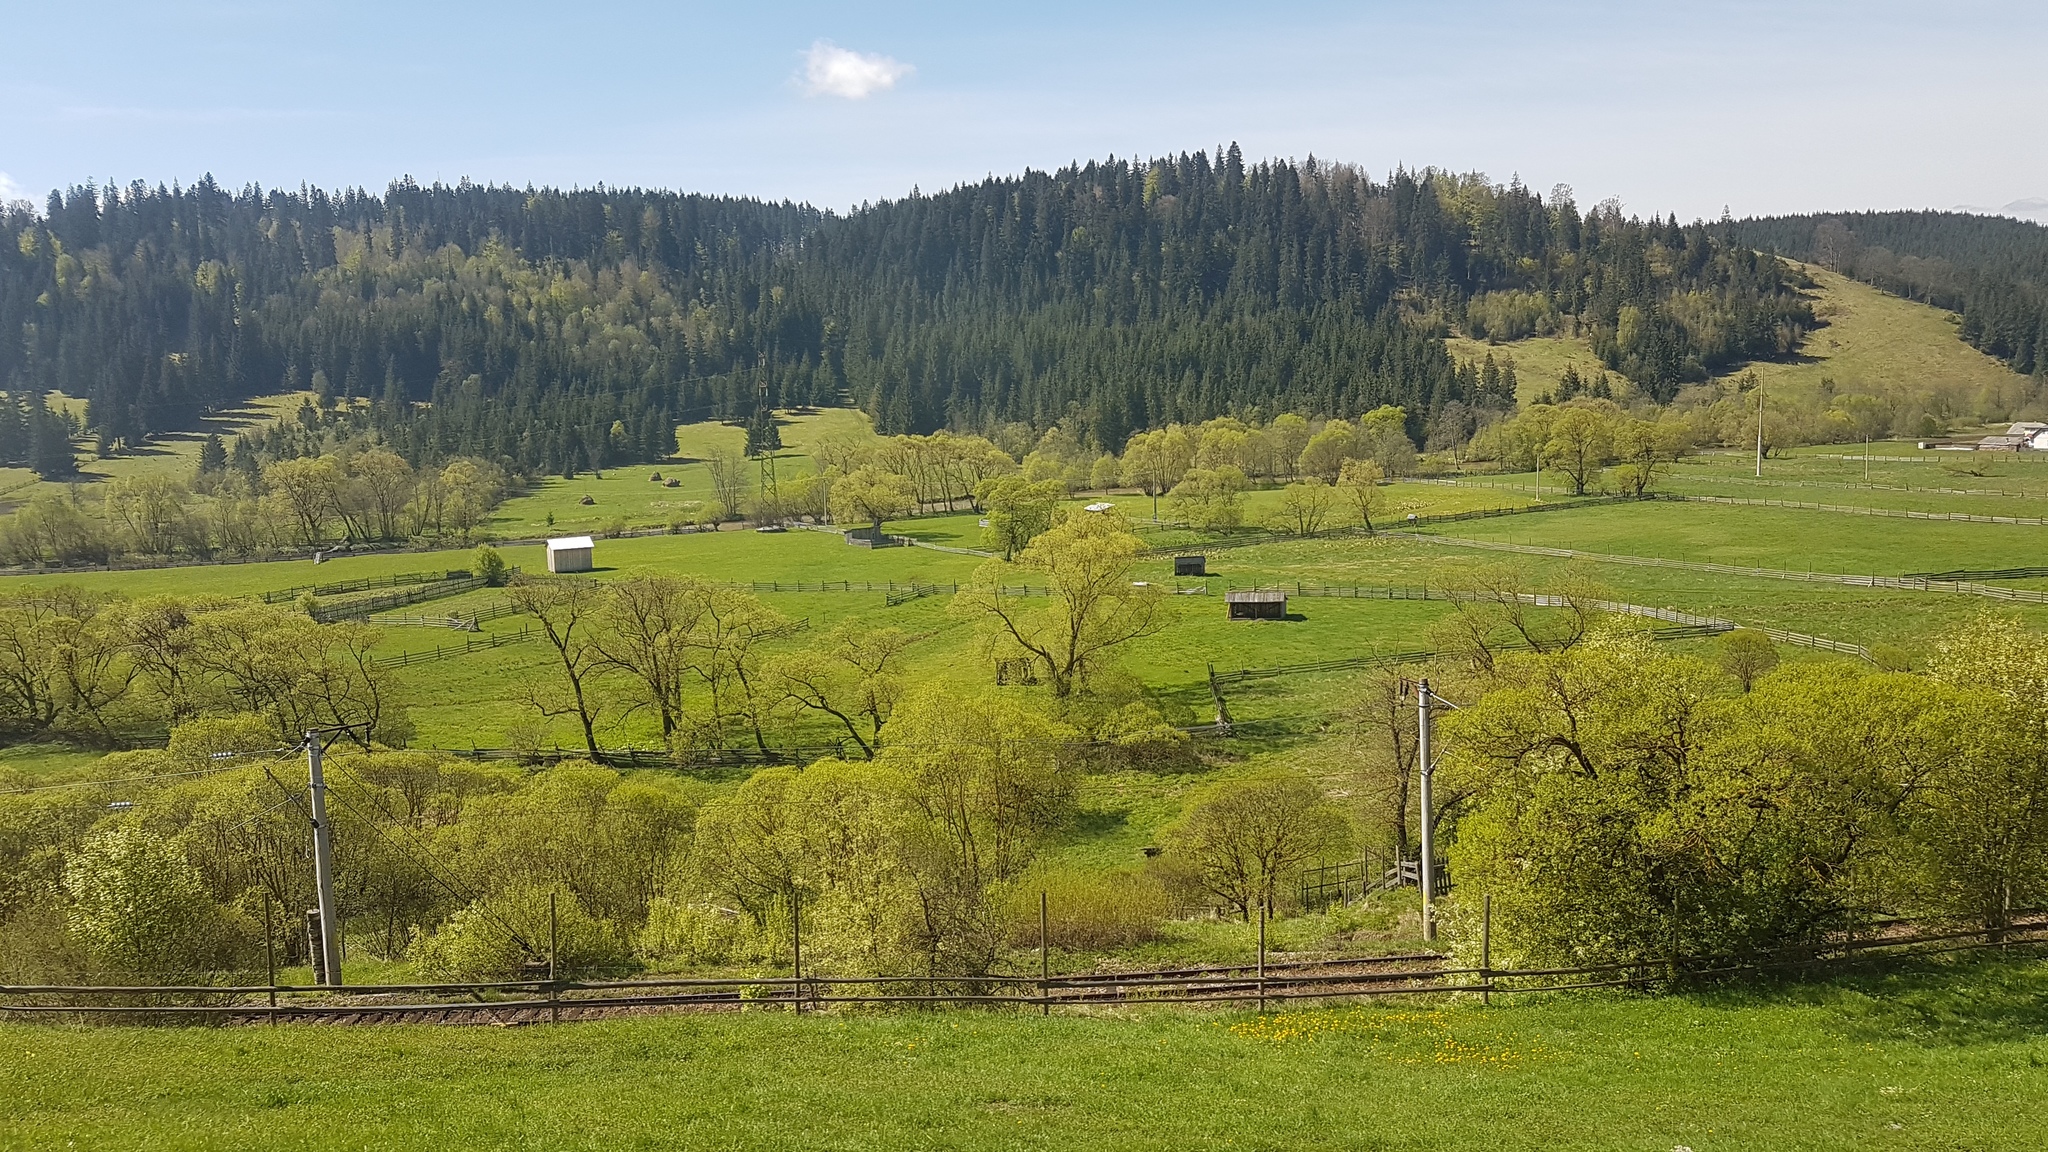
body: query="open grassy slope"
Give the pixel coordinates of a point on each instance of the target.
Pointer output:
(1871, 342)
(1877, 342)
(174, 454)
(1943, 1057)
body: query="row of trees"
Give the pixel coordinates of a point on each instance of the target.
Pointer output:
(911, 861)
(1619, 804)
(363, 495)
(1581, 439)
(100, 669)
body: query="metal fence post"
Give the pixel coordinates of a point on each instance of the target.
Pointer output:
(270, 955)
(796, 944)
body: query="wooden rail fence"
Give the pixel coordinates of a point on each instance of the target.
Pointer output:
(1337, 979)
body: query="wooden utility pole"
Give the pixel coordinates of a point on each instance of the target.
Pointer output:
(1760, 432)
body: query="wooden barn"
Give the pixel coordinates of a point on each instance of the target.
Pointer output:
(1190, 565)
(1256, 605)
(570, 554)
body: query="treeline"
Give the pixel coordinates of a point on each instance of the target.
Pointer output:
(98, 669)
(302, 484)
(1621, 804)
(553, 331)
(1991, 269)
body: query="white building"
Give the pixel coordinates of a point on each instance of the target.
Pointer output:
(2033, 434)
(569, 554)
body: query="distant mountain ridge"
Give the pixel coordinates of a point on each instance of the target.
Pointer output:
(559, 330)
(2033, 208)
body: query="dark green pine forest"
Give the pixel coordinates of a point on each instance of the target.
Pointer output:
(558, 330)
(1993, 270)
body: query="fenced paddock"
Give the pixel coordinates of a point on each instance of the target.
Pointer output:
(1331, 980)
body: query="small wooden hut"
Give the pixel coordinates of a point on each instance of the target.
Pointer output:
(1254, 604)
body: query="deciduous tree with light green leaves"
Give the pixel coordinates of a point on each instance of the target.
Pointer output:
(1243, 839)
(1018, 510)
(1092, 605)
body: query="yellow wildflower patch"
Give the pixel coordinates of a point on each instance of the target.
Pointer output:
(1429, 1037)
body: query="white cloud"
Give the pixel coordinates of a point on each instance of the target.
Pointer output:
(10, 191)
(830, 70)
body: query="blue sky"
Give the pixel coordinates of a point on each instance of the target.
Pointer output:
(1763, 107)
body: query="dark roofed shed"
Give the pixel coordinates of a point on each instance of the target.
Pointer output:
(1256, 605)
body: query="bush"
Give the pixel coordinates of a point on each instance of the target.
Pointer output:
(489, 566)
(699, 933)
(494, 938)
(142, 911)
(1085, 910)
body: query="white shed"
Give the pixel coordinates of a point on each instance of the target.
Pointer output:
(569, 554)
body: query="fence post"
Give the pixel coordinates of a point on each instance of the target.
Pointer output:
(1262, 957)
(1044, 963)
(554, 983)
(1486, 949)
(270, 955)
(796, 945)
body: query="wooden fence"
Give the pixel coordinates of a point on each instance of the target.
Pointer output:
(1264, 983)
(1252, 539)
(444, 651)
(1900, 583)
(369, 583)
(360, 609)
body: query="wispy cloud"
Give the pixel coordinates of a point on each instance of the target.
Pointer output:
(830, 70)
(10, 191)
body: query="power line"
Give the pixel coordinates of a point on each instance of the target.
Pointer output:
(458, 891)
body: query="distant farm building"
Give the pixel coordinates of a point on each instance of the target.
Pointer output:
(570, 554)
(1256, 605)
(1100, 506)
(1190, 566)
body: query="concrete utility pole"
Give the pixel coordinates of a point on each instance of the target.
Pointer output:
(1422, 759)
(323, 866)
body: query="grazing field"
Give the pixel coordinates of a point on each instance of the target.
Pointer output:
(1942, 1056)
(172, 454)
(1869, 342)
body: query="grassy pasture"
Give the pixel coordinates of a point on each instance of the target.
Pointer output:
(1873, 342)
(175, 454)
(1942, 1056)
(1785, 538)
(626, 496)
(1870, 342)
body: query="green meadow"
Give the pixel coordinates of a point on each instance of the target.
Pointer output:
(1938, 1056)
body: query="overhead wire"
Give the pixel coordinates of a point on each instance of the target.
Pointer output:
(460, 892)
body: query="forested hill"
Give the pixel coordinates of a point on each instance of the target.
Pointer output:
(561, 329)
(1991, 269)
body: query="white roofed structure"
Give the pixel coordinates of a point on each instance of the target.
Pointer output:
(570, 553)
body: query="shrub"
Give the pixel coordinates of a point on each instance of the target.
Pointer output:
(495, 937)
(141, 910)
(1085, 910)
(699, 933)
(489, 566)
